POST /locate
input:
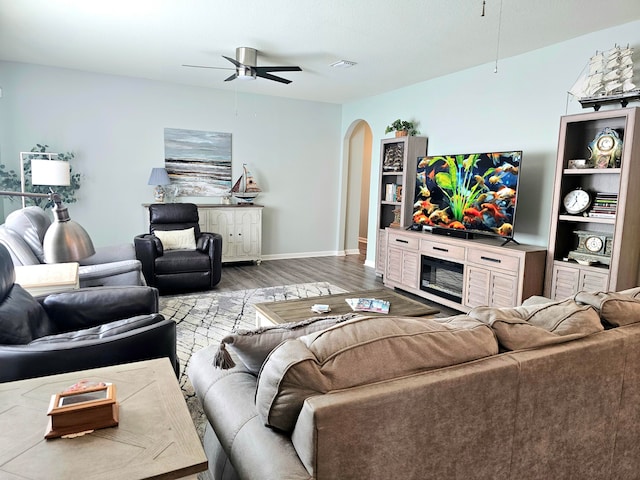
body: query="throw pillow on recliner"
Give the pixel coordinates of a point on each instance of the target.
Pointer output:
(363, 351)
(177, 239)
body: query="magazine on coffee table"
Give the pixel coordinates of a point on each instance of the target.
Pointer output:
(368, 305)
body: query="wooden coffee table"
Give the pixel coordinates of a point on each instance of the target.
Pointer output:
(273, 313)
(156, 437)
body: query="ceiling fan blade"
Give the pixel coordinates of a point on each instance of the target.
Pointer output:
(249, 69)
(205, 66)
(277, 69)
(272, 77)
(234, 61)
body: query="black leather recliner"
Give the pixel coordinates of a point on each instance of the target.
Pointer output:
(79, 329)
(179, 270)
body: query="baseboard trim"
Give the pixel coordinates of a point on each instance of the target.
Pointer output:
(285, 256)
(342, 253)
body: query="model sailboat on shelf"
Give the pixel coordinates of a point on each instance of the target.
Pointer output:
(607, 78)
(246, 188)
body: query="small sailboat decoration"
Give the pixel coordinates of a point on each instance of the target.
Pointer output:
(607, 78)
(246, 188)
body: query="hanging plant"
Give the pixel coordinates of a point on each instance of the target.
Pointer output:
(10, 180)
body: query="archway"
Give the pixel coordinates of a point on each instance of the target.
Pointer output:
(356, 181)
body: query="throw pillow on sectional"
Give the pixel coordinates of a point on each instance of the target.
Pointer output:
(363, 351)
(253, 346)
(616, 308)
(631, 292)
(22, 319)
(539, 325)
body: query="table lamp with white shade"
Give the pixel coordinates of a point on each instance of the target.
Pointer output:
(159, 177)
(44, 171)
(65, 240)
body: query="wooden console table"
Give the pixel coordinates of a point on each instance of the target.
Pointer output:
(241, 229)
(239, 224)
(156, 437)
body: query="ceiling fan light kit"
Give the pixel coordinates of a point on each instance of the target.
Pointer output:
(242, 73)
(247, 69)
(343, 64)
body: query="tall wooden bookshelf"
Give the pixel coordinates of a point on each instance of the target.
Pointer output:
(398, 166)
(617, 264)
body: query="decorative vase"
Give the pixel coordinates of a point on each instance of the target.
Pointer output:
(402, 133)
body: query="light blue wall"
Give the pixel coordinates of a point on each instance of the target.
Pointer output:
(518, 108)
(115, 126)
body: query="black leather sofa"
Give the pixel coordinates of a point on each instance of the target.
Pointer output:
(79, 329)
(179, 270)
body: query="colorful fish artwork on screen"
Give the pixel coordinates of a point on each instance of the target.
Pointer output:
(474, 192)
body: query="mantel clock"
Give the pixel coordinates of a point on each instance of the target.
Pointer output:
(593, 247)
(606, 149)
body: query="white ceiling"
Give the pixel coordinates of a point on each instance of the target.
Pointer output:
(394, 42)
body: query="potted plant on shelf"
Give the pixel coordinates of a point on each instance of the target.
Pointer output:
(402, 128)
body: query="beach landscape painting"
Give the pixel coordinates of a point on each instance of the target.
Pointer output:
(198, 162)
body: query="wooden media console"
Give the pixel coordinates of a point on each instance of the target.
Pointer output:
(463, 273)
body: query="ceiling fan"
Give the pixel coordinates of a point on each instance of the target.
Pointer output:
(247, 68)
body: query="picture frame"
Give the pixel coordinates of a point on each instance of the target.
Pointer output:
(82, 410)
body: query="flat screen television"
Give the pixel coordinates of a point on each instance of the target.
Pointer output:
(474, 192)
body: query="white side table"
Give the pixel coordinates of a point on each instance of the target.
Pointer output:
(44, 279)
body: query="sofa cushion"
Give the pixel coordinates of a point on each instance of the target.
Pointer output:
(22, 318)
(174, 262)
(21, 253)
(362, 351)
(177, 239)
(31, 223)
(100, 332)
(538, 325)
(616, 308)
(631, 292)
(253, 346)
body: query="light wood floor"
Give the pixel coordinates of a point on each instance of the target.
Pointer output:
(346, 272)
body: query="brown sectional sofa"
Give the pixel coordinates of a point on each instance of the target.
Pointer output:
(560, 411)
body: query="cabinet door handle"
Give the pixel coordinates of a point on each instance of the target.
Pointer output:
(402, 241)
(440, 249)
(489, 259)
